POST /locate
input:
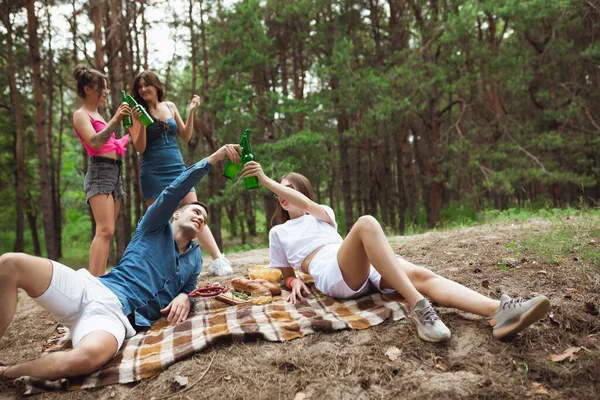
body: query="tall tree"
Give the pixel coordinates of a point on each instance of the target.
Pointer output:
(40, 123)
(18, 119)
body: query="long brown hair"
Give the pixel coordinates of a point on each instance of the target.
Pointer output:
(151, 79)
(301, 184)
(89, 77)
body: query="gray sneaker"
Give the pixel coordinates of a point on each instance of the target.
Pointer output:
(514, 315)
(429, 326)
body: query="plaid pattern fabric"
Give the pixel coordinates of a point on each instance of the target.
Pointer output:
(149, 352)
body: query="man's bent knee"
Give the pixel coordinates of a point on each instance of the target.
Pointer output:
(80, 363)
(92, 352)
(9, 263)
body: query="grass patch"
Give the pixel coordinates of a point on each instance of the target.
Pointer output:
(576, 238)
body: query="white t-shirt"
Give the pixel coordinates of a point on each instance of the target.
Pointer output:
(291, 242)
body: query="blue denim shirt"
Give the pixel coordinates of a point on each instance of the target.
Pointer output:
(152, 272)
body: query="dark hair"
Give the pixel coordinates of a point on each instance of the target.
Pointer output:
(199, 203)
(88, 77)
(301, 184)
(151, 79)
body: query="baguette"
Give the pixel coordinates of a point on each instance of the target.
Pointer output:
(250, 286)
(273, 287)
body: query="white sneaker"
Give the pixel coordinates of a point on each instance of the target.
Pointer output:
(220, 266)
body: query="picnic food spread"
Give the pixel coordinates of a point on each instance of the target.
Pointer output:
(239, 291)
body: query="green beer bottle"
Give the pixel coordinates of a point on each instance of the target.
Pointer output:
(251, 182)
(145, 117)
(231, 169)
(126, 118)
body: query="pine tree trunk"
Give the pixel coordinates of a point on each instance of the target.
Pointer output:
(342, 126)
(52, 167)
(31, 212)
(59, 148)
(113, 36)
(144, 32)
(231, 212)
(96, 12)
(249, 213)
(400, 137)
(40, 124)
(19, 149)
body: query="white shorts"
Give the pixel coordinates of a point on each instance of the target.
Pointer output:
(325, 270)
(83, 304)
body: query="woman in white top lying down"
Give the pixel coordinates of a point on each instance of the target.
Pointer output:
(307, 239)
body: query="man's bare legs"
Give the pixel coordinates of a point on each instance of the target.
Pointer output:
(34, 275)
(92, 352)
(17, 270)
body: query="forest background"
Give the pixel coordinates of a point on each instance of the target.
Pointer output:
(423, 113)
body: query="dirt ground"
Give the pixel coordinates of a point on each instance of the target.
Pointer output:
(354, 365)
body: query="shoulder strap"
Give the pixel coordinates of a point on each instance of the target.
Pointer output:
(169, 107)
(89, 115)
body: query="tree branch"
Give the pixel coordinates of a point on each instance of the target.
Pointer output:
(590, 118)
(534, 158)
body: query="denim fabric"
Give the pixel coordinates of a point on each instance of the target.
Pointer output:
(103, 179)
(152, 272)
(161, 161)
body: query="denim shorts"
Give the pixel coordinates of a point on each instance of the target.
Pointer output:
(103, 177)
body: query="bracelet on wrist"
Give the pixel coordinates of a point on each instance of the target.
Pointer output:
(289, 283)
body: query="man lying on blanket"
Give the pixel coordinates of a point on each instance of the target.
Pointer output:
(159, 268)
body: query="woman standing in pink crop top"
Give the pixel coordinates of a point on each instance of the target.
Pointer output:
(103, 185)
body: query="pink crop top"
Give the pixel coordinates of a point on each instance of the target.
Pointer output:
(113, 144)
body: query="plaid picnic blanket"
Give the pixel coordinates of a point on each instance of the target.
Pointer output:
(147, 353)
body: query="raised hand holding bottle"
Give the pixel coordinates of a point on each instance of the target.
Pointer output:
(126, 117)
(145, 118)
(232, 169)
(251, 182)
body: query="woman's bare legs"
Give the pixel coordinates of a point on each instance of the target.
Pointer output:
(366, 244)
(205, 237)
(105, 210)
(445, 292)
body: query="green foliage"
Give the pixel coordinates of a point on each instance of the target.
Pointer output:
(498, 99)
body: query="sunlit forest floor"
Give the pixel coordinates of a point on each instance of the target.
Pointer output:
(557, 256)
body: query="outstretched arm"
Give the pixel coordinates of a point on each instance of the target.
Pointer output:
(293, 196)
(159, 213)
